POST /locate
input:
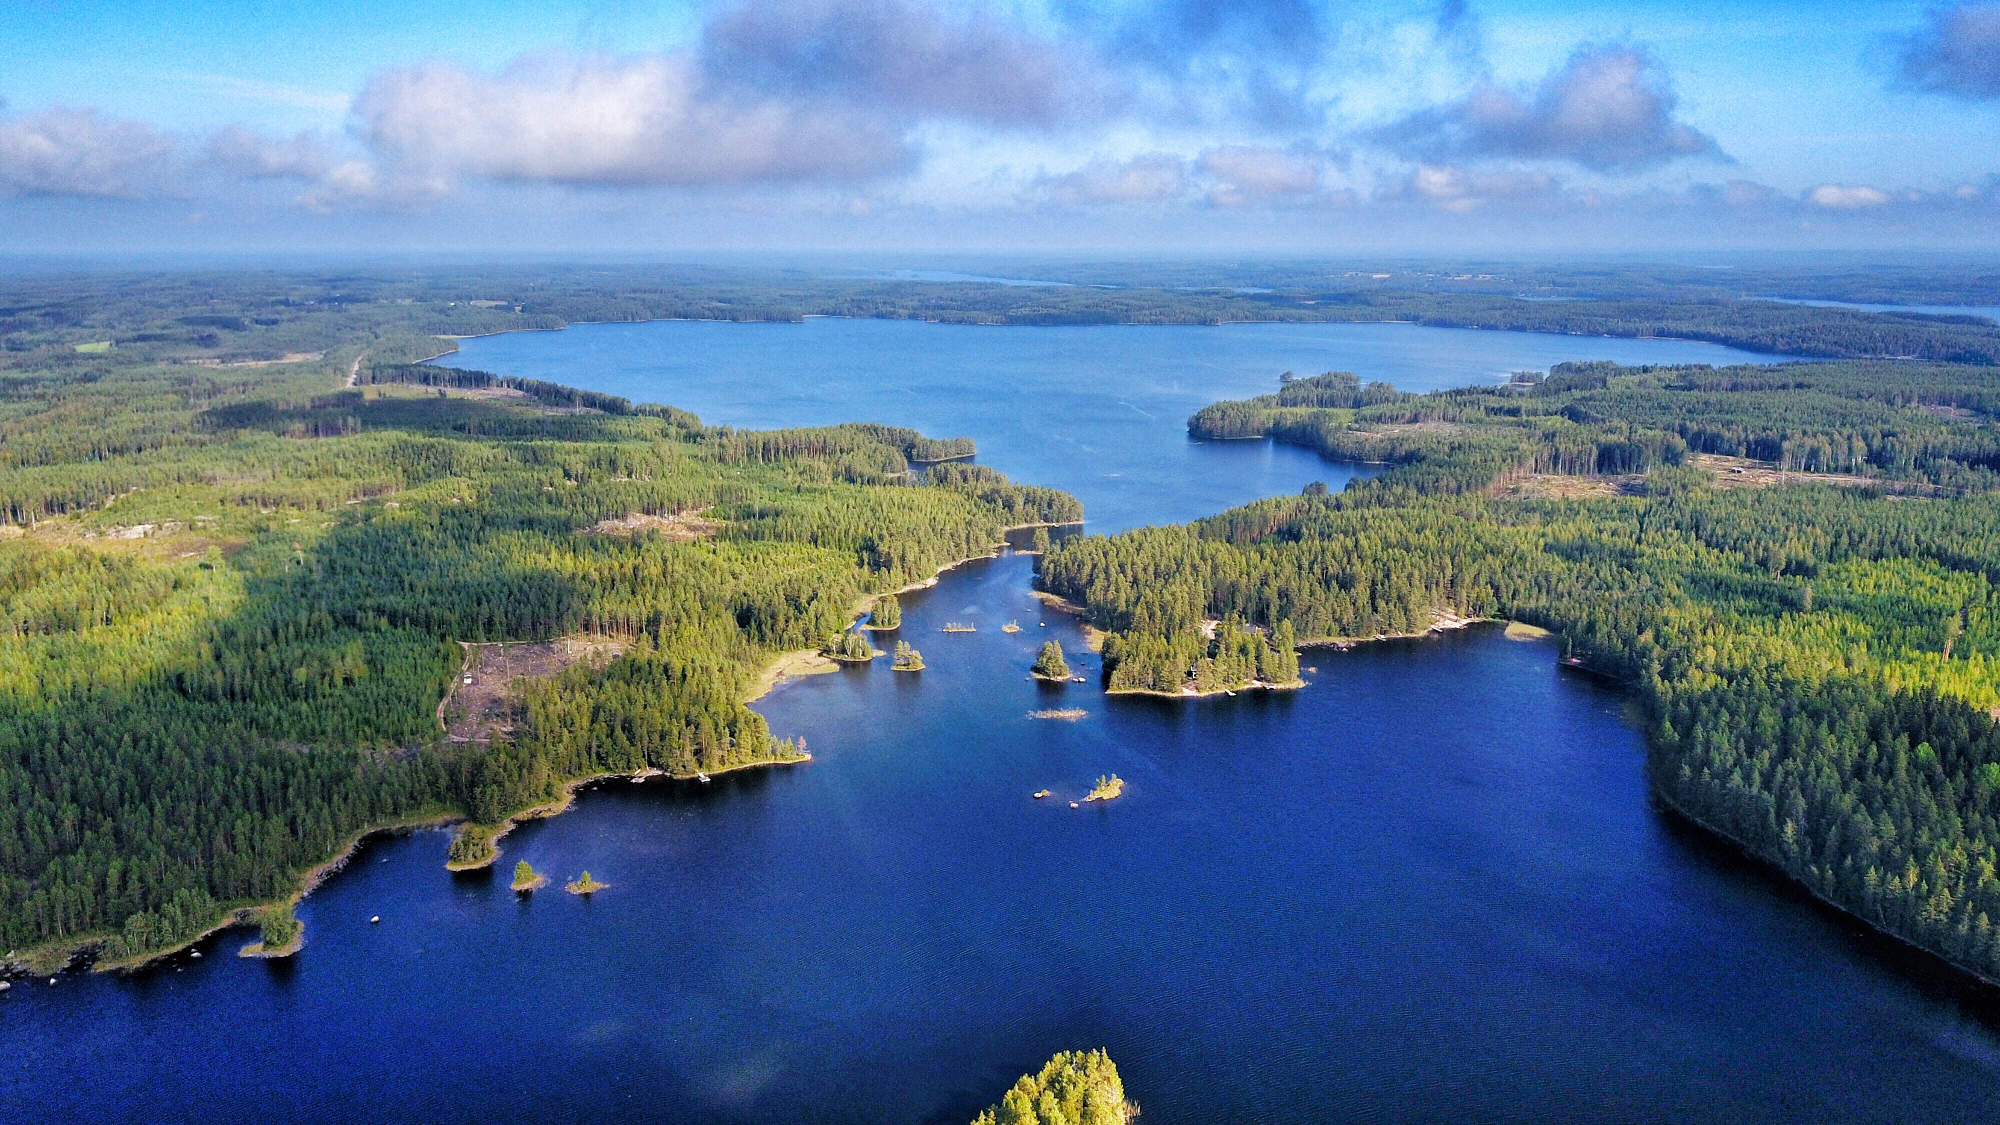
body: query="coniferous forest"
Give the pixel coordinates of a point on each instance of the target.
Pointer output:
(1794, 566)
(243, 533)
(233, 598)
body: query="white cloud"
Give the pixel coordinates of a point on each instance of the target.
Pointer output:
(597, 120)
(1838, 197)
(1462, 190)
(1244, 172)
(68, 151)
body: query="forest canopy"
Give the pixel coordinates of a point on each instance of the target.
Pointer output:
(232, 599)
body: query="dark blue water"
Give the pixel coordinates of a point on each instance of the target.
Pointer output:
(1429, 887)
(1101, 411)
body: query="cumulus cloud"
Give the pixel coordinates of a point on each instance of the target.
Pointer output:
(795, 91)
(1143, 179)
(1245, 172)
(253, 156)
(67, 151)
(598, 120)
(1957, 52)
(1839, 197)
(1607, 108)
(904, 58)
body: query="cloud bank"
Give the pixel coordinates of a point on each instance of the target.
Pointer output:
(898, 113)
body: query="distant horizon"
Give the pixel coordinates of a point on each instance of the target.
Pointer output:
(15, 262)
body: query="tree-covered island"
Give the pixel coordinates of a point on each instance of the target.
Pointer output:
(1074, 1088)
(279, 933)
(1794, 567)
(850, 647)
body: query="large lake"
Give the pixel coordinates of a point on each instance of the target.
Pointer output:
(1101, 411)
(1430, 887)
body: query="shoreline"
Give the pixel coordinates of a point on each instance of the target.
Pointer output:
(59, 957)
(560, 804)
(242, 914)
(1772, 868)
(1451, 624)
(53, 958)
(1189, 693)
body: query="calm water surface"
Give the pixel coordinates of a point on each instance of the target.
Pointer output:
(1990, 312)
(1101, 411)
(1430, 887)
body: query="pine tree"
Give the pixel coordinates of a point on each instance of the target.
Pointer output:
(1051, 665)
(888, 614)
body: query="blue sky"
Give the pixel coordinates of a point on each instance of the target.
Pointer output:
(1281, 125)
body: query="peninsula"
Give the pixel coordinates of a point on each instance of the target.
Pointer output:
(321, 608)
(1790, 565)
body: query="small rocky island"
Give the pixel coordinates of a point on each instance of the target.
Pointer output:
(851, 647)
(1108, 789)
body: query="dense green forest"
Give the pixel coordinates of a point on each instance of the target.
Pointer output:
(1074, 1088)
(242, 316)
(1820, 663)
(232, 600)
